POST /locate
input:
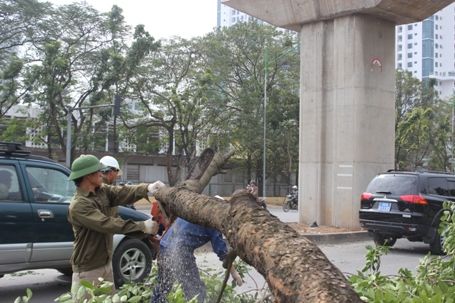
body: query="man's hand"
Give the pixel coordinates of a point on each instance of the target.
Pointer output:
(150, 227)
(229, 259)
(154, 187)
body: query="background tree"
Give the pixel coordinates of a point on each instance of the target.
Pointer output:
(422, 125)
(441, 139)
(413, 136)
(82, 63)
(13, 130)
(174, 91)
(237, 57)
(23, 23)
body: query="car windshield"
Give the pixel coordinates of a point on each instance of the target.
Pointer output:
(398, 184)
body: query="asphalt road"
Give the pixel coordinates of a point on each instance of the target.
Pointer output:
(47, 284)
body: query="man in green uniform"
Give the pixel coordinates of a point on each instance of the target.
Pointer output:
(92, 213)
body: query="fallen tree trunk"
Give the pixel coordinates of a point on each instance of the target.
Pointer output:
(295, 269)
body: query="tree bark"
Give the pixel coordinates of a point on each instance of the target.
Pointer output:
(295, 269)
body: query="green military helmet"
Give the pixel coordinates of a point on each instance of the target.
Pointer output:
(84, 165)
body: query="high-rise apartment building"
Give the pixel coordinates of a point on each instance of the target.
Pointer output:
(227, 16)
(427, 50)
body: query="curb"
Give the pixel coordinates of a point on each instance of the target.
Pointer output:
(337, 238)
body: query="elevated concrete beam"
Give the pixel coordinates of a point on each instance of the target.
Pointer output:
(292, 14)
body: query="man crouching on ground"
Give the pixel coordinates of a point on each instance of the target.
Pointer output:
(92, 214)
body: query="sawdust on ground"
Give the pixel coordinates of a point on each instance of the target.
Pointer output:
(305, 229)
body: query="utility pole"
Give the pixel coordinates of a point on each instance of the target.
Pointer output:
(264, 156)
(68, 137)
(116, 112)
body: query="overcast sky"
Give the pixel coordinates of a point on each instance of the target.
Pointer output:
(163, 18)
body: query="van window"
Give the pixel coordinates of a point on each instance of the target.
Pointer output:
(451, 187)
(399, 184)
(438, 186)
(9, 184)
(50, 185)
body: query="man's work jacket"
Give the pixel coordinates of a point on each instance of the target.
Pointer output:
(94, 220)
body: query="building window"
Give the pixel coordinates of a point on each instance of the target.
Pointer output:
(409, 36)
(409, 64)
(410, 27)
(400, 57)
(409, 45)
(400, 47)
(427, 48)
(427, 67)
(409, 55)
(400, 66)
(428, 29)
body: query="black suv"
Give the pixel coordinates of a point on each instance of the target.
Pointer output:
(400, 204)
(34, 232)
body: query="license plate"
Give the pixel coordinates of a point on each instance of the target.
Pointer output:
(384, 206)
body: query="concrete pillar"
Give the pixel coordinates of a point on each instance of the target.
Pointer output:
(347, 114)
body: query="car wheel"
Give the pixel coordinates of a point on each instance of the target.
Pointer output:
(436, 247)
(132, 262)
(383, 240)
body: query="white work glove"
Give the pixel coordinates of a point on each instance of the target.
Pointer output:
(150, 227)
(153, 187)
